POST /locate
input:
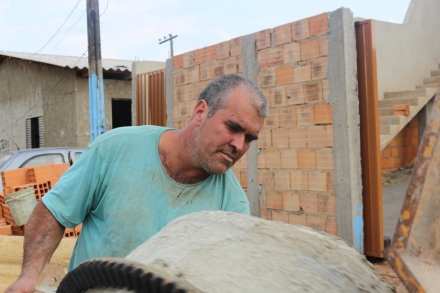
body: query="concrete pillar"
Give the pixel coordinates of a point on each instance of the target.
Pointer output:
(250, 71)
(169, 91)
(343, 96)
(423, 116)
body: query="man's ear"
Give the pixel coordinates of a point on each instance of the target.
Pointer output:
(200, 112)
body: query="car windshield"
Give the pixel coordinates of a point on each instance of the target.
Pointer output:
(4, 158)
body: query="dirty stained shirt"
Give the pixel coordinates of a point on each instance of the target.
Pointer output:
(121, 193)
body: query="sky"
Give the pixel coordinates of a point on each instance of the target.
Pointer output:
(131, 29)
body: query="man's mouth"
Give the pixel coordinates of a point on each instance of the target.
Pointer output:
(228, 157)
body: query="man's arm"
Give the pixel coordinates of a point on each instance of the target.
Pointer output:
(42, 237)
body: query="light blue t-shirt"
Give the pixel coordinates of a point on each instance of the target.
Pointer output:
(121, 193)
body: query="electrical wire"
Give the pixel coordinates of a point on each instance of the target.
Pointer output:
(67, 32)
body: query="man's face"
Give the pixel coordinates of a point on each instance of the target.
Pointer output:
(221, 140)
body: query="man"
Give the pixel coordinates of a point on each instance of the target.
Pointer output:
(133, 181)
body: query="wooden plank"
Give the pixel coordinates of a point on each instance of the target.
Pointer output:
(370, 138)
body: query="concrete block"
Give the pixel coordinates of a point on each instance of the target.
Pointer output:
(318, 24)
(287, 116)
(295, 94)
(302, 73)
(309, 202)
(305, 115)
(297, 137)
(223, 50)
(292, 52)
(313, 92)
(275, 56)
(316, 136)
(262, 39)
(300, 29)
(307, 159)
(284, 75)
(319, 68)
(283, 34)
(309, 49)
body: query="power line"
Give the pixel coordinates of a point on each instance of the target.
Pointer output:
(67, 32)
(56, 31)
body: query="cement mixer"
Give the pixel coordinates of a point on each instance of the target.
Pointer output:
(228, 252)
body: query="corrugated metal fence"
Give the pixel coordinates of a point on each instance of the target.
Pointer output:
(150, 98)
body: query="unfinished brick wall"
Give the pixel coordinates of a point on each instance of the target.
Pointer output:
(402, 150)
(295, 161)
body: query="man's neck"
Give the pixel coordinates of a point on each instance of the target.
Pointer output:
(175, 160)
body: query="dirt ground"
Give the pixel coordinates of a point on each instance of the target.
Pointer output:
(398, 176)
(389, 276)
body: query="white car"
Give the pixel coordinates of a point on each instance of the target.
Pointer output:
(36, 157)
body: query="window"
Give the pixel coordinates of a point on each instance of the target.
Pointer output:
(43, 160)
(34, 133)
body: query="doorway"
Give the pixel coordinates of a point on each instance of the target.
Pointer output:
(121, 113)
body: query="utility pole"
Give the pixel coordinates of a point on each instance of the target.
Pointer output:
(96, 83)
(170, 38)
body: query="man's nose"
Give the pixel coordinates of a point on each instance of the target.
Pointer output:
(238, 142)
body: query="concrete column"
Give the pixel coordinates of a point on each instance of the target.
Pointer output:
(133, 94)
(423, 116)
(250, 71)
(169, 91)
(343, 96)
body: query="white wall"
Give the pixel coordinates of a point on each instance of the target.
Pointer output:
(406, 53)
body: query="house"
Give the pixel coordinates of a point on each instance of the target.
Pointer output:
(44, 99)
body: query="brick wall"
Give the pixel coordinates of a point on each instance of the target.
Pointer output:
(402, 150)
(295, 161)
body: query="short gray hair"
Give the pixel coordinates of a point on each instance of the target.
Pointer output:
(217, 93)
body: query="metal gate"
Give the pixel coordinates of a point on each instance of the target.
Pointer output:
(150, 98)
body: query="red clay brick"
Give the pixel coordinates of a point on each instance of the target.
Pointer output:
(318, 24)
(305, 115)
(278, 96)
(414, 122)
(188, 59)
(217, 68)
(243, 179)
(302, 73)
(313, 92)
(274, 200)
(199, 87)
(265, 177)
(330, 181)
(309, 202)
(297, 219)
(297, 137)
(211, 53)
(180, 77)
(317, 180)
(283, 34)
(194, 74)
(184, 109)
(319, 68)
(295, 94)
(323, 45)
(290, 201)
(265, 214)
(262, 58)
(223, 50)
(178, 61)
(292, 52)
(331, 227)
(272, 120)
(236, 173)
(316, 136)
(280, 217)
(230, 65)
(309, 49)
(176, 110)
(178, 94)
(242, 163)
(262, 39)
(282, 180)
(275, 56)
(307, 159)
(329, 135)
(205, 71)
(323, 113)
(6, 230)
(324, 159)
(300, 29)
(316, 221)
(273, 159)
(268, 77)
(326, 204)
(188, 92)
(325, 89)
(284, 74)
(280, 138)
(289, 159)
(287, 116)
(298, 180)
(235, 46)
(265, 138)
(199, 56)
(261, 160)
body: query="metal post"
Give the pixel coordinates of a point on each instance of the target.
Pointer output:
(96, 84)
(171, 42)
